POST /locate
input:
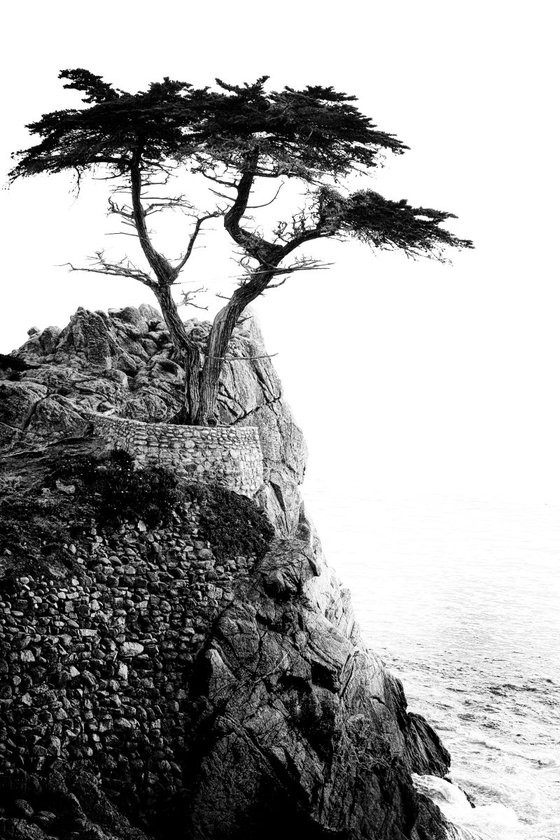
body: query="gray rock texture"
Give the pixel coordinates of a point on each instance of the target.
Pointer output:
(162, 682)
(123, 363)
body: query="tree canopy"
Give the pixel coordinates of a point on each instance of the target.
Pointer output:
(234, 136)
(300, 133)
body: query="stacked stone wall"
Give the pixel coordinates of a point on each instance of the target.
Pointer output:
(225, 455)
(94, 664)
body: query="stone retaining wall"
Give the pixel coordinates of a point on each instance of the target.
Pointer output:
(225, 455)
(94, 665)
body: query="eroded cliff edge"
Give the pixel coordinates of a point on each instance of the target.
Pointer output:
(202, 679)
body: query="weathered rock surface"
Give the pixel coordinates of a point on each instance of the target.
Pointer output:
(161, 684)
(304, 730)
(123, 362)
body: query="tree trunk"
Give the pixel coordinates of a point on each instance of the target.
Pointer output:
(165, 276)
(218, 342)
(188, 351)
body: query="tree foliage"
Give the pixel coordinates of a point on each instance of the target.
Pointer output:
(234, 136)
(300, 133)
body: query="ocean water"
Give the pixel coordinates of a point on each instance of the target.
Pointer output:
(461, 598)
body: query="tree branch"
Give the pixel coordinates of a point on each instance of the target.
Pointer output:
(268, 203)
(221, 195)
(157, 262)
(199, 222)
(117, 210)
(116, 270)
(205, 174)
(189, 296)
(267, 253)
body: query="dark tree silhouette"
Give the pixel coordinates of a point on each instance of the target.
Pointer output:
(235, 136)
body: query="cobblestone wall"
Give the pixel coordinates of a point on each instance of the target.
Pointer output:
(225, 455)
(94, 665)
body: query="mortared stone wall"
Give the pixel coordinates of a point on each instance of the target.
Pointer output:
(229, 456)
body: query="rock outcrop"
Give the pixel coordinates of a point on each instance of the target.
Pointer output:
(204, 679)
(124, 363)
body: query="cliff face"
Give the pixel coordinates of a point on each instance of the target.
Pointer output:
(198, 679)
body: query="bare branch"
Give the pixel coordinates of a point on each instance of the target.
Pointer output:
(124, 210)
(221, 195)
(268, 203)
(124, 268)
(230, 184)
(110, 177)
(275, 285)
(167, 198)
(205, 169)
(120, 233)
(189, 297)
(194, 305)
(199, 222)
(160, 203)
(301, 264)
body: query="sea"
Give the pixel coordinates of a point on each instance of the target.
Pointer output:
(461, 598)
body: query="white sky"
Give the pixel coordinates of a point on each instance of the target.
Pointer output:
(405, 376)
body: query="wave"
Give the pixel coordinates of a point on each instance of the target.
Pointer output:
(458, 833)
(485, 822)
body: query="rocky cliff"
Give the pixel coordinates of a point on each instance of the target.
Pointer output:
(196, 676)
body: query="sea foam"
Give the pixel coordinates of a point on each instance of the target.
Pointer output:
(486, 822)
